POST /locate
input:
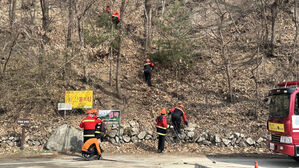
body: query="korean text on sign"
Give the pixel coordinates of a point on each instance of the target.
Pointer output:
(79, 99)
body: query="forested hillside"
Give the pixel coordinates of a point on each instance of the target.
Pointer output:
(217, 57)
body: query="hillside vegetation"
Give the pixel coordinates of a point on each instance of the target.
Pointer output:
(218, 58)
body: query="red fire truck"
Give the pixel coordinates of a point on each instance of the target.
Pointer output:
(283, 122)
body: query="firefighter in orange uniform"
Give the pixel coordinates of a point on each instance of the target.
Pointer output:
(176, 114)
(88, 124)
(148, 67)
(91, 149)
(161, 130)
(115, 18)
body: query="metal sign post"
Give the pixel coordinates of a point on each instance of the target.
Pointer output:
(23, 123)
(64, 106)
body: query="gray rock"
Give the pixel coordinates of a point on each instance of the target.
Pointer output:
(141, 135)
(231, 137)
(182, 136)
(150, 132)
(133, 124)
(134, 139)
(112, 140)
(36, 143)
(10, 143)
(205, 142)
(200, 139)
(260, 140)
(121, 131)
(126, 138)
(226, 141)
(190, 134)
(65, 138)
(243, 144)
(112, 133)
(250, 142)
(116, 139)
(237, 135)
(134, 131)
(217, 138)
(11, 138)
(242, 135)
(147, 137)
(204, 135)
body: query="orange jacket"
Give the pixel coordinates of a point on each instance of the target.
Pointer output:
(89, 144)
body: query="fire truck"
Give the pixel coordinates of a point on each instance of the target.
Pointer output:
(283, 122)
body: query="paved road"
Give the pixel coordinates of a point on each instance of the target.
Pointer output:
(149, 161)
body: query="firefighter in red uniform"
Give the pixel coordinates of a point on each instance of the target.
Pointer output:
(161, 129)
(88, 124)
(148, 67)
(115, 18)
(108, 10)
(176, 114)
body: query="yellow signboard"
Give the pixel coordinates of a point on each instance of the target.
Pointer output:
(79, 99)
(276, 127)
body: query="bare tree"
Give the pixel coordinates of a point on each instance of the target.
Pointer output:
(274, 12)
(122, 10)
(295, 20)
(45, 19)
(147, 24)
(226, 61)
(69, 45)
(80, 24)
(12, 13)
(14, 41)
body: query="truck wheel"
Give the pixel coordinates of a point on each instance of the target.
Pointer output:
(296, 159)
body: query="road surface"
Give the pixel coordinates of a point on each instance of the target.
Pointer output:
(166, 160)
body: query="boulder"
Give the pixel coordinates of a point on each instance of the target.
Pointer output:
(134, 131)
(147, 137)
(126, 138)
(226, 141)
(65, 138)
(250, 142)
(190, 134)
(112, 133)
(200, 139)
(134, 139)
(217, 138)
(141, 135)
(260, 140)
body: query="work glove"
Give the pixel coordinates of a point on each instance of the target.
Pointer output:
(186, 123)
(171, 126)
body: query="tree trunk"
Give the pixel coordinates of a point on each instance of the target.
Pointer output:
(295, 20)
(122, 10)
(45, 19)
(110, 55)
(147, 25)
(264, 22)
(10, 51)
(274, 11)
(69, 39)
(12, 13)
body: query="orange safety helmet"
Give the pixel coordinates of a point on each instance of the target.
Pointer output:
(94, 111)
(163, 111)
(181, 105)
(117, 11)
(147, 60)
(89, 112)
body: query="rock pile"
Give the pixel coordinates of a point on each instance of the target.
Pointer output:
(69, 138)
